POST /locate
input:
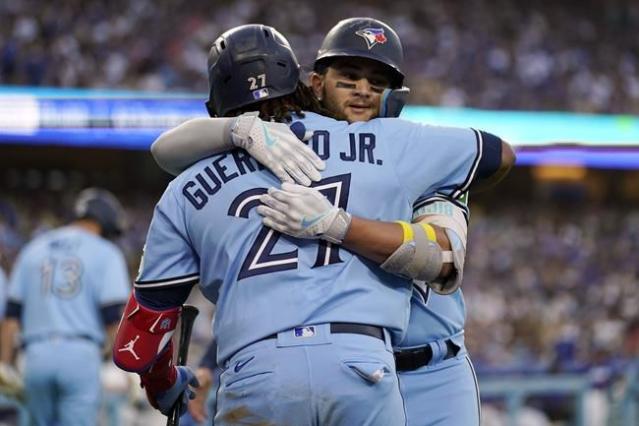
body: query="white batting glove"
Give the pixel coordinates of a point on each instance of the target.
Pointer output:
(303, 212)
(276, 147)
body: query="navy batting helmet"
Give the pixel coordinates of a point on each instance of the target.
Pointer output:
(102, 206)
(248, 64)
(364, 38)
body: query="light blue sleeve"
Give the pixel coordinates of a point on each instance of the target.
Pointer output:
(116, 284)
(17, 285)
(169, 258)
(433, 159)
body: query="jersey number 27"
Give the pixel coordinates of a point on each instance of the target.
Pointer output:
(260, 258)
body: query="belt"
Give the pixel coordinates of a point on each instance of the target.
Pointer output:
(350, 328)
(58, 336)
(413, 359)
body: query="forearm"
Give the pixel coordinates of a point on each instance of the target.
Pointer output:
(178, 148)
(377, 240)
(110, 332)
(9, 330)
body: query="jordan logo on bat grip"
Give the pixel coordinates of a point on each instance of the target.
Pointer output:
(129, 347)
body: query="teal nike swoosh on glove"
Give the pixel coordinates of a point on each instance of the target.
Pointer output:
(309, 222)
(180, 389)
(269, 140)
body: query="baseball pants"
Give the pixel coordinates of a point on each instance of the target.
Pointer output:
(443, 393)
(312, 376)
(62, 382)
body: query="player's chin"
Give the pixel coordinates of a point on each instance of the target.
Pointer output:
(360, 114)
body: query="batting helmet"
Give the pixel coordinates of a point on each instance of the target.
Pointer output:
(364, 38)
(248, 64)
(102, 206)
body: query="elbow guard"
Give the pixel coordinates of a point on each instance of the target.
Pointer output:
(419, 257)
(452, 219)
(142, 335)
(450, 284)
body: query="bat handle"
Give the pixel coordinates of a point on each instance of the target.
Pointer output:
(188, 318)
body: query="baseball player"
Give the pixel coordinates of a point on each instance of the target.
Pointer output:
(3, 292)
(66, 295)
(303, 329)
(432, 355)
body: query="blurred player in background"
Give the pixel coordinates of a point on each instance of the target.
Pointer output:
(258, 312)
(67, 291)
(357, 77)
(3, 292)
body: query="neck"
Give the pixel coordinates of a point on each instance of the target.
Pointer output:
(88, 225)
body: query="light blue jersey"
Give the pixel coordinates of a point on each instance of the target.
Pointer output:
(205, 229)
(62, 278)
(435, 316)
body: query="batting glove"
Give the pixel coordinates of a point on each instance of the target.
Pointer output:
(278, 148)
(181, 388)
(303, 213)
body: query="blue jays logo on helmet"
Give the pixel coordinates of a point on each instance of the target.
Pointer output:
(372, 36)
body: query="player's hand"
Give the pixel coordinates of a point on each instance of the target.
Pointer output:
(181, 388)
(11, 383)
(303, 213)
(278, 148)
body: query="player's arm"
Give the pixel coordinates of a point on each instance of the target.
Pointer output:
(272, 144)
(10, 330)
(490, 174)
(412, 251)
(143, 342)
(377, 240)
(111, 315)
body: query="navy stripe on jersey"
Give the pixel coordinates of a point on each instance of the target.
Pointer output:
(14, 310)
(477, 394)
(111, 313)
(424, 294)
(183, 280)
(435, 198)
(164, 297)
(473, 169)
(491, 159)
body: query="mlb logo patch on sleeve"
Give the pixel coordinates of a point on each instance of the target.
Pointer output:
(308, 331)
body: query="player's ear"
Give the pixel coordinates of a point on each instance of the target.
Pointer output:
(317, 84)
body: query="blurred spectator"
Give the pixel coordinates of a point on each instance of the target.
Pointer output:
(499, 54)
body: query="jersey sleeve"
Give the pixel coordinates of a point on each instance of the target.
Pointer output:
(168, 259)
(432, 159)
(3, 293)
(17, 284)
(116, 283)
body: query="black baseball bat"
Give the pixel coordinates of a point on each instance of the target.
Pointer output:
(188, 318)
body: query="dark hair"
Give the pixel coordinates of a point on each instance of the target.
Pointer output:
(282, 109)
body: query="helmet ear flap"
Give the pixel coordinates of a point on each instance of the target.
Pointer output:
(210, 109)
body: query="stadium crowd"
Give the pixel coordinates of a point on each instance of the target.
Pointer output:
(495, 54)
(545, 291)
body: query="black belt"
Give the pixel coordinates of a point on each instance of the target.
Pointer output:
(350, 328)
(412, 359)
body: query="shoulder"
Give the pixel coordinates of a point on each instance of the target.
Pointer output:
(315, 121)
